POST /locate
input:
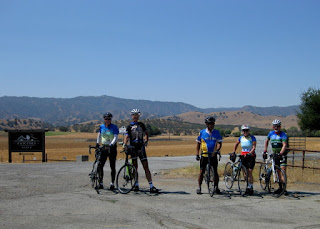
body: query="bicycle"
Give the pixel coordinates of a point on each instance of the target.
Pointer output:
(127, 175)
(272, 176)
(236, 171)
(263, 171)
(95, 175)
(209, 175)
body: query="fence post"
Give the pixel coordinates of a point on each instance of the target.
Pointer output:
(293, 157)
(303, 155)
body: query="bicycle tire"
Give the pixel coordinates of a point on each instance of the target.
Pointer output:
(211, 178)
(274, 184)
(228, 175)
(242, 180)
(94, 175)
(126, 178)
(262, 176)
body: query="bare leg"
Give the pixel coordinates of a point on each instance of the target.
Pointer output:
(146, 170)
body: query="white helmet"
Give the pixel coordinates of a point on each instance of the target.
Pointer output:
(276, 122)
(135, 111)
(245, 127)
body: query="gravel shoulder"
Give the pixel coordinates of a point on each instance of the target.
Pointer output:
(58, 195)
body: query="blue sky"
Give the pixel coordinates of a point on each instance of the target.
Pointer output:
(208, 53)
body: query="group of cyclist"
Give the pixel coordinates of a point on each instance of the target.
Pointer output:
(209, 143)
(136, 134)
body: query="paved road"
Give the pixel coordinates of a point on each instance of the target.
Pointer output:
(58, 195)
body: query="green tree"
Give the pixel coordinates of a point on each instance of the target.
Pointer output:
(309, 117)
(64, 129)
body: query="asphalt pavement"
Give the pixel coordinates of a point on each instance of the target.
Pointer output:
(59, 195)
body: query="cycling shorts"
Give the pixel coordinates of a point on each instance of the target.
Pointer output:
(139, 151)
(249, 161)
(205, 160)
(281, 161)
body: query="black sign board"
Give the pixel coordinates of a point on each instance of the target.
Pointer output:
(26, 141)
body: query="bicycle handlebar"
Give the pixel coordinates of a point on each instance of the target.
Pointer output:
(94, 147)
(213, 153)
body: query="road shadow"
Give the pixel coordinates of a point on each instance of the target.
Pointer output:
(161, 192)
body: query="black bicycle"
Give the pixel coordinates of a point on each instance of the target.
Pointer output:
(127, 175)
(209, 174)
(235, 171)
(95, 175)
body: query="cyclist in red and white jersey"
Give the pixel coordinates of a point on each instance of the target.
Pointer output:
(248, 144)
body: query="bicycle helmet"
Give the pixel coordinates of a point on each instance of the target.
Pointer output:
(210, 120)
(276, 122)
(107, 115)
(245, 127)
(135, 111)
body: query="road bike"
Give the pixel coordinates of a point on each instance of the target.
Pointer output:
(235, 171)
(270, 176)
(95, 175)
(127, 175)
(263, 171)
(209, 174)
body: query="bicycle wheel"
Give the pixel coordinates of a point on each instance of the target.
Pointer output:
(94, 175)
(262, 176)
(228, 175)
(242, 180)
(275, 186)
(126, 178)
(211, 187)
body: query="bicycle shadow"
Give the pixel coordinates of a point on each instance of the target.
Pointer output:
(161, 192)
(265, 194)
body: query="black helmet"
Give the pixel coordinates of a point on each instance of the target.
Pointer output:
(210, 120)
(107, 115)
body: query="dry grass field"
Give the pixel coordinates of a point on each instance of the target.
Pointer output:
(66, 147)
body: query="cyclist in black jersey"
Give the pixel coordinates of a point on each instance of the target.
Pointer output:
(139, 136)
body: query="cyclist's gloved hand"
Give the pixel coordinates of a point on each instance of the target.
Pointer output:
(146, 143)
(124, 146)
(197, 157)
(233, 156)
(111, 145)
(249, 155)
(97, 145)
(264, 155)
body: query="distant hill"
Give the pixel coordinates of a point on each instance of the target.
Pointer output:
(236, 118)
(264, 111)
(68, 111)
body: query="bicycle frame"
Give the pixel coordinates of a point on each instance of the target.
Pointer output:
(127, 174)
(278, 176)
(271, 159)
(94, 175)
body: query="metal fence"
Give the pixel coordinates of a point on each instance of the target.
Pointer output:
(303, 155)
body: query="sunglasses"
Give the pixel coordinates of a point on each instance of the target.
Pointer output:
(245, 130)
(107, 119)
(276, 125)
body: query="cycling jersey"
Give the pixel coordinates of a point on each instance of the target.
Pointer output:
(208, 140)
(276, 140)
(108, 134)
(246, 143)
(136, 132)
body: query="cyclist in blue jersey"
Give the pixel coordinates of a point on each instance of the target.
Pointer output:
(248, 144)
(138, 137)
(108, 137)
(279, 142)
(209, 140)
